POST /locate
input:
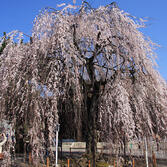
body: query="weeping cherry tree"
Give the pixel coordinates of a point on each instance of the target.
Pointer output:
(98, 54)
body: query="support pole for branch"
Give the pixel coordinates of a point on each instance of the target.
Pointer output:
(146, 151)
(57, 133)
(56, 147)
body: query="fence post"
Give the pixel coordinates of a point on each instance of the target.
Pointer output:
(89, 163)
(30, 158)
(133, 162)
(68, 162)
(47, 161)
(154, 160)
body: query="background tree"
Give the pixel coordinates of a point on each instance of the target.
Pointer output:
(97, 57)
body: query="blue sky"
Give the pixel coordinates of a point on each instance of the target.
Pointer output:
(19, 15)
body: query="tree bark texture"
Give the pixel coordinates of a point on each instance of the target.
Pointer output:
(92, 102)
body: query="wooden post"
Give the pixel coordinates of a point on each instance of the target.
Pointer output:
(133, 162)
(47, 161)
(114, 163)
(154, 160)
(89, 163)
(68, 162)
(30, 158)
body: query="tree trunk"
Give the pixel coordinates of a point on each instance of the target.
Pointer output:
(125, 146)
(92, 102)
(91, 139)
(78, 123)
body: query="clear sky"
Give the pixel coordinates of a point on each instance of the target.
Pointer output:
(19, 15)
